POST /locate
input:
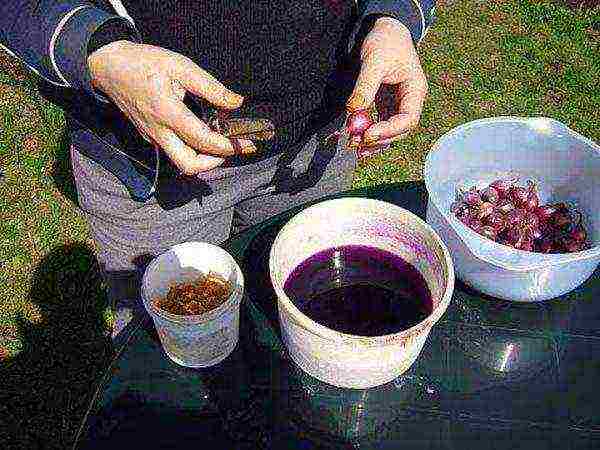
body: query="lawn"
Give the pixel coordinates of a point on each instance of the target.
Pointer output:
(482, 58)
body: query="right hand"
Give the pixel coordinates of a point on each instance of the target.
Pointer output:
(148, 84)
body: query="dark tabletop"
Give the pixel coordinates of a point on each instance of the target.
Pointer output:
(492, 375)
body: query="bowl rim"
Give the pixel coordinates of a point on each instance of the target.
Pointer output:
(329, 334)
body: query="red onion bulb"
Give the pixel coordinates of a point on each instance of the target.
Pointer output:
(488, 232)
(496, 221)
(502, 186)
(491, 195)
(515, 218)
(578, 233)
(545, 212)
(466, 216)
(505, 206)
(530, 220)
(533, 199)
(561, 220)
(518, 195)
(571, 245)
(514, 235)
(536, 233)
(526, 244)
(484, 210)
(358, 122)
(475, 225)
(472, 197)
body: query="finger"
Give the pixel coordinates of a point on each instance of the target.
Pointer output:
(385, 142)
(185, 158)
(368, 82)
(365, 152)
(379, 147)
(394, 126)
(198, 135)
(198, 81)
(209, 162)
(410, 98)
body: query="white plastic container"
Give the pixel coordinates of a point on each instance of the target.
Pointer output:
(200, 340)
(567, 167)
(341, 359)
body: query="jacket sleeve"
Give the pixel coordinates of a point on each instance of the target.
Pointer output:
(416, 15)
(51, 37)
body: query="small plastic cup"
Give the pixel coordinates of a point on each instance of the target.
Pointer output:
(199, 340)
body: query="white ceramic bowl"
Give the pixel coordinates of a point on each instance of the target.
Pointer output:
(566, 166)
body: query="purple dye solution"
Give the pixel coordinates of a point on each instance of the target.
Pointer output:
(360, 290)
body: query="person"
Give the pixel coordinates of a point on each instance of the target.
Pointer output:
(137, 79)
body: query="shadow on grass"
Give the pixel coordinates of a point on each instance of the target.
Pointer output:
(61, 172)
(46, 388)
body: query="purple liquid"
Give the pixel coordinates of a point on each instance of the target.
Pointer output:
(360, 290)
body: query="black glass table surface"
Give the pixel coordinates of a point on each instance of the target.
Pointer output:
(495, 374)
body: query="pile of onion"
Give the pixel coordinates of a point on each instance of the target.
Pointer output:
(512, 215)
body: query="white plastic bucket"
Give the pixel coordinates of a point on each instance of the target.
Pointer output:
(341, 359)
(566, 167)
(200, 340)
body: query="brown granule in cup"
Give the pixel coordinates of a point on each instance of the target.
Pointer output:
(198, 297)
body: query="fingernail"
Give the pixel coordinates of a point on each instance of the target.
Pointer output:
(355, 102)
(371, 137)
(371, 141)
(248, 150)
(238, 99)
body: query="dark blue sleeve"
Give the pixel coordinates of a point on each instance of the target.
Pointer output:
(416, 15)
(51, 37)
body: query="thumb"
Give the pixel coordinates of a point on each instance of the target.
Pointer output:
(367, 85)
(203, 84)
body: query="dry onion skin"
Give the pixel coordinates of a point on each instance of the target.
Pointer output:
(252, 128)
(204, 294)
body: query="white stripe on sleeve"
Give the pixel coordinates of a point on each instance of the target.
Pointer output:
(54, 38)
(423, 30)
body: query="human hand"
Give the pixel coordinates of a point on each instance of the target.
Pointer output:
(148, 84)
(388, 56)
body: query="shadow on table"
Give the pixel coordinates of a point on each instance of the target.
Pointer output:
(154, 403)
(46, 387)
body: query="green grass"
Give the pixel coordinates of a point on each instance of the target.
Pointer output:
(502, 57)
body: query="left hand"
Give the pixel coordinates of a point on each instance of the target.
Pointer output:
(388, 56)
